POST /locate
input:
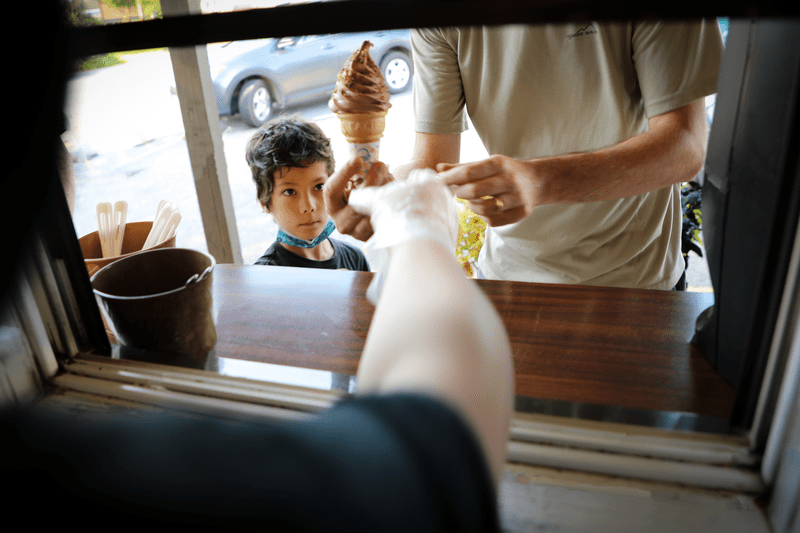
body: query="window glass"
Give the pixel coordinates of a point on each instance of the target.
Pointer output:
(88, 12)
(125, 134)
(126, 141)
(126, 138)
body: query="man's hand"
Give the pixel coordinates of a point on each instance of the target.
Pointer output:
(501, 189)
(354, 174)
(505, 190)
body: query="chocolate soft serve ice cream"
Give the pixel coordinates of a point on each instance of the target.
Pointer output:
(361, 101)
(360, 87)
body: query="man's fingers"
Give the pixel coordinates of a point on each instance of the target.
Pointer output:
(504, 218)
(493, 186)
(489, 206)
(470, 172)
(493, 206)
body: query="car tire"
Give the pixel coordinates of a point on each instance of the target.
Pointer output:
(398, 70)
(255, 103)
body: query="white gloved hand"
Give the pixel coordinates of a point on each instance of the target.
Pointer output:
(419, 208)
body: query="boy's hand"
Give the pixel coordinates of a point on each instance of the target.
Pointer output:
(355, 174)
(419, 208)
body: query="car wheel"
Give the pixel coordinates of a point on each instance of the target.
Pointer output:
(255, 103)
(397, 69)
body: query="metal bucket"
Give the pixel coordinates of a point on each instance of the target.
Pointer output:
(161, 301)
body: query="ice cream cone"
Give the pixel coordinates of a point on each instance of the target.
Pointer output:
(363, 132)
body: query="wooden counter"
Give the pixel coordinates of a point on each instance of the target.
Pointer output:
(595, 345)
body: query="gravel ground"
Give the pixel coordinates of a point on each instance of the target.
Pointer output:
(127, 142)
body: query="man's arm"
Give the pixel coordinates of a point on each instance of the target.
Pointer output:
(671, 151)
(431, 149)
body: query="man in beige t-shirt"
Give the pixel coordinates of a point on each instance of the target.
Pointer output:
(595, 126)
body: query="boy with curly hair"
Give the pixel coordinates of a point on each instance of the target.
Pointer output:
(290, 160)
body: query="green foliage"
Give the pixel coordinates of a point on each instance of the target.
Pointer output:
(691, 205)
(120, 3)
(698, 215)
(150, 8)
(75, 11)
(77, 17)
(105, 60)
(109, 60)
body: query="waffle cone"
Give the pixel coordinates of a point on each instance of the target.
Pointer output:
(363, 128)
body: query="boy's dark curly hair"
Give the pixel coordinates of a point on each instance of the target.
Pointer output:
(285, 143)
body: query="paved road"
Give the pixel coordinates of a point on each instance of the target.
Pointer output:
(127, 141)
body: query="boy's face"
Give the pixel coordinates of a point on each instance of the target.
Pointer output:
(297, 202)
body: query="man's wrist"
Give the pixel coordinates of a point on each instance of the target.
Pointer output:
(565, 179)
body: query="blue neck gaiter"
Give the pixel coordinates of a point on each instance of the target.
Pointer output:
(291, 240)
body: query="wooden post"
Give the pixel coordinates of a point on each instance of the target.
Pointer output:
(204, 141)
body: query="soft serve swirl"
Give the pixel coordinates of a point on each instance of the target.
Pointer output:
(360, 87)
